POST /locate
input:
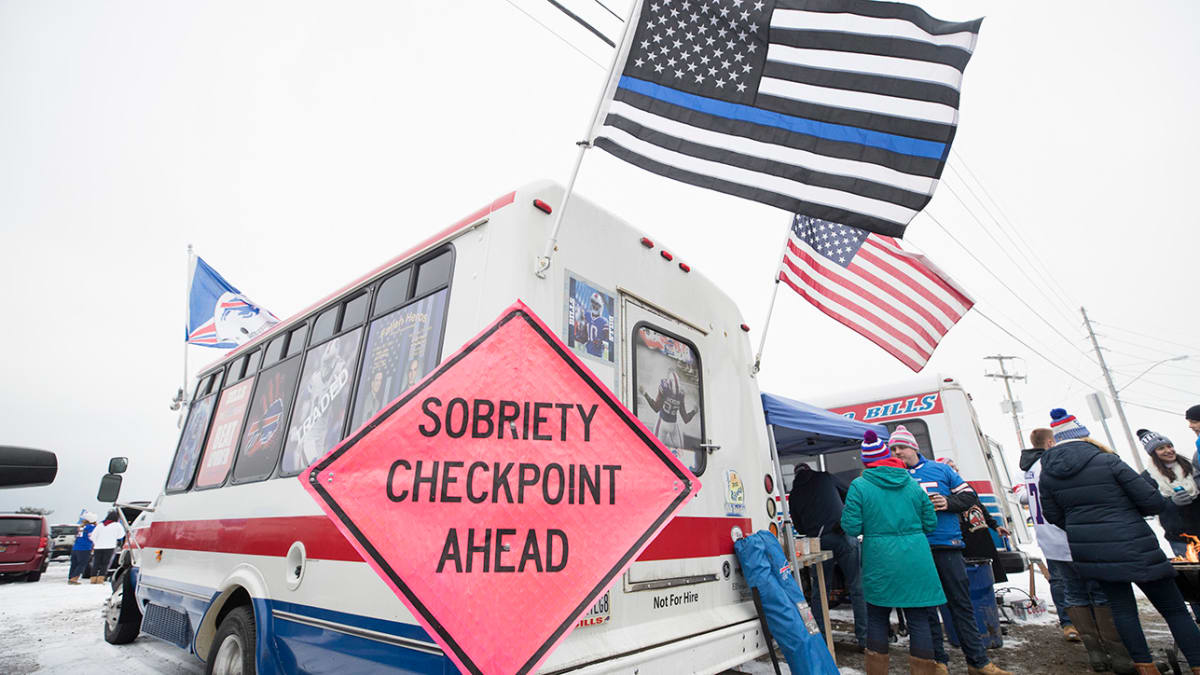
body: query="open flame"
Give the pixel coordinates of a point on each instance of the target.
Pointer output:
(1193, 550)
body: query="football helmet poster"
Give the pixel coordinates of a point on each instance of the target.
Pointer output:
(591, 321)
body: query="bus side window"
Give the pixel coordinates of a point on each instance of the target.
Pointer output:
(402, 347)
(920, 431)
(322, 400)
(296, 340)
(355, 312)
(393, 292)
(199, 413)
(669, 398)
(325, 325)
(433, 273)
(258, 450)
(274, 351)
(226, 429)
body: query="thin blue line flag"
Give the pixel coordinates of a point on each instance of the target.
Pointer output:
(218, 314)
(840, 110)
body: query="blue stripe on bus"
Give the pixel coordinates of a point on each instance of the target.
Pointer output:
(744, 113)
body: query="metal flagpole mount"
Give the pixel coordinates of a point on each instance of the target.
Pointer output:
(541, 265)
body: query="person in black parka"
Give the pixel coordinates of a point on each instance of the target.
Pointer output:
(1101, 503)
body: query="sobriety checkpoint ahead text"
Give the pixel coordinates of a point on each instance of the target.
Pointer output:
(451, 481)
(512, 473)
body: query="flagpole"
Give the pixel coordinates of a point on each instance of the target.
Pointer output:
(542, 264)
(771, 307)
(187, 320)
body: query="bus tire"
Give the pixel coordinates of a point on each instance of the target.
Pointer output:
(122, 616)
(232, 651)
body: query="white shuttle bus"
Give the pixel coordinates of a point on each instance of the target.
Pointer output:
(238, 565)
(940, 414)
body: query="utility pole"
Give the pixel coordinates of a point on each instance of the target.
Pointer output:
(1014, 406)
(1112, 389)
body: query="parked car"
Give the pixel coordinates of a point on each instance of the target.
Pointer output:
(62, 539)
(24, 545)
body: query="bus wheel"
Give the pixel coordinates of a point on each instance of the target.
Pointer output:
(232, 651)
(122, 617)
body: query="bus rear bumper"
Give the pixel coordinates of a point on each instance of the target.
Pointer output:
(711, 652)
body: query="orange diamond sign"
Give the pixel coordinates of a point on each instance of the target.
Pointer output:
(510, 476)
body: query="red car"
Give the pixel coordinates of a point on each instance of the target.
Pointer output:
(24, 545)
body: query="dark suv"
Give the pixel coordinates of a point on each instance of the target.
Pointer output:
(24, 545)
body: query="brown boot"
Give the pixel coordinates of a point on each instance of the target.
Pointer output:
(989, 669)
(922, 666)
(74, 581)
(940, 668)
(97, 580)
(876, 663)
(1070, 633)
(1148, 669)
(1121, 663)
(1098, 658)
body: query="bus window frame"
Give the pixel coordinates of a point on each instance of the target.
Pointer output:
(700, 452)
(372, 317)
(284, 421)
(236, 444)
(215, 391)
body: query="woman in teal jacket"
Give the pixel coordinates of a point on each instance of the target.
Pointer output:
(893, 515)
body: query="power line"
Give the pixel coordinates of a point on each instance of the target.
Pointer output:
(1027, 346)
(996, 241)
(1146, 335)
(579, 20)
(1002, 283)
(609, 10)
(556, 34)
(1038, 268)
(1151, 407)
(1041, 264)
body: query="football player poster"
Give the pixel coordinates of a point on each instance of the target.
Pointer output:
(591, 326)
(667, 374)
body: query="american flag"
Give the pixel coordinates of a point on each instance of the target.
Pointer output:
(896, 299)
(841, 109)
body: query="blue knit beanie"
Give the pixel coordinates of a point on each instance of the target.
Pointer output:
(1065, 426)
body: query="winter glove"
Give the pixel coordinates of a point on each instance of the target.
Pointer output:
(1182, 498)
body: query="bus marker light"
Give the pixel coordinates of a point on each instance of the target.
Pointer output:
(666, 254)
(647, 242)
(541, 206)
(685, 267)
(746, 328)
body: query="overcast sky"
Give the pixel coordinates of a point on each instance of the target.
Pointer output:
(298, 144)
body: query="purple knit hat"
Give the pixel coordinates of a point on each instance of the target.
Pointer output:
(873, 448)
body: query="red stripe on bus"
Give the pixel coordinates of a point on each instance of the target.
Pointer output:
(683, 537)
(982, 487)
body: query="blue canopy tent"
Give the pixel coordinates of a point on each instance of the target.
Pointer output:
(805, 429)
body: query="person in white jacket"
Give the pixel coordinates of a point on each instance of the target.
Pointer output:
(105, 538)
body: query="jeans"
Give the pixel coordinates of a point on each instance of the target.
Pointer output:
(1166, 598)
(846, 553)
(1058, 593)
(100, 561)
(952, 572)
(1077, 591)
(920, 642)
(80, 563)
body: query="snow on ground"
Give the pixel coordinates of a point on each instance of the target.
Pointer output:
(49, 626)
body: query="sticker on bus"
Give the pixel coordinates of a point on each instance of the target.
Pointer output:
(598, 614)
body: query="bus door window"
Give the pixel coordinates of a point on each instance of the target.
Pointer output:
(322, 400)
(226, 430)
(920, 431)
(258, 452)
(668, 399)
(402, 347)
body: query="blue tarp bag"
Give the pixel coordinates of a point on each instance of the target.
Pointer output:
(766, 569)
(981, 584)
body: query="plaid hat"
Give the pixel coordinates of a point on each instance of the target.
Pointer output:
(1152, 440)
(874, 449)
(902, 436)
(1193, 413)
(1065, 426)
